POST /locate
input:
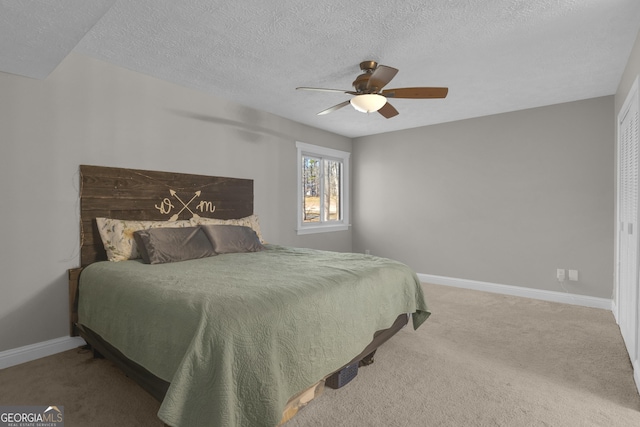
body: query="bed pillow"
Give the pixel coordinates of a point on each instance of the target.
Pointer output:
(117, 235)
(250, 221)
(228, 239)
(162, 245)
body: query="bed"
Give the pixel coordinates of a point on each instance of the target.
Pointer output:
(235, 338)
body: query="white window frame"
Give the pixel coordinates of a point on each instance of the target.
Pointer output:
(317, 151)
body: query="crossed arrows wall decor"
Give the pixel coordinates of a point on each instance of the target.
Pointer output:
(166, 206)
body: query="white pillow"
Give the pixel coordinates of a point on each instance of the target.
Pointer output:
(117, 235)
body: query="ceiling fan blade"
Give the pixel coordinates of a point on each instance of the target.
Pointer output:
(334, 108)
(380, 77)
(416, 92)
(388, 111)
(321, 89)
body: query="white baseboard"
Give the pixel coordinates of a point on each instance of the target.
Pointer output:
(519, 291)
(31, 352)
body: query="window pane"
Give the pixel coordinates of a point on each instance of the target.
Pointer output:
(332, 175)
(311, 189)
(323, 189)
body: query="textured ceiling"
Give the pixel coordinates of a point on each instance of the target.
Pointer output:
(494, 55)
(36, 35)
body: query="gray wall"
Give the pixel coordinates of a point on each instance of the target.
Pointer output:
(90, 112)
(504, 199)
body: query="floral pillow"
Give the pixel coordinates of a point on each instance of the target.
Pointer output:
(117, 235)
(248, 221)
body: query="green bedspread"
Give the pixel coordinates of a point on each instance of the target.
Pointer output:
(237, 335)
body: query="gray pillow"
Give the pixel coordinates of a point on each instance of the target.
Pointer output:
(228, 239)
(161, 245)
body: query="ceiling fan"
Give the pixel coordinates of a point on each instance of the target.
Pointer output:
(369, 95)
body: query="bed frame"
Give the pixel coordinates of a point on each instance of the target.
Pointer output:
(150, 195)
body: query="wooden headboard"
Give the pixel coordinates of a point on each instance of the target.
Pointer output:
(151, 195)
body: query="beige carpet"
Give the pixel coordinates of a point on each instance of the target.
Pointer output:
(480, 360)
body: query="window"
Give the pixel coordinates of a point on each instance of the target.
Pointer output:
(323, 183)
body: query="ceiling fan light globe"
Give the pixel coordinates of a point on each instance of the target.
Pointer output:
(368, 103)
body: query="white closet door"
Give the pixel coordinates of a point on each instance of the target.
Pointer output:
(628, 285)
